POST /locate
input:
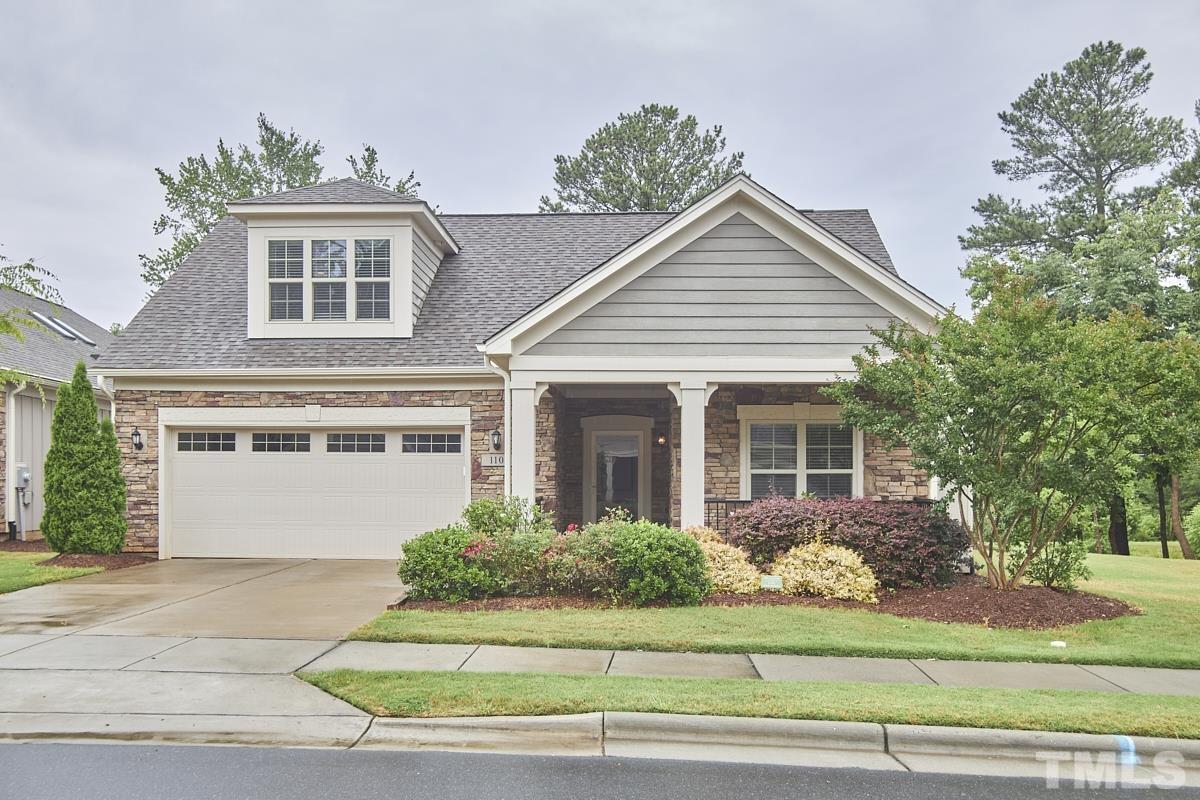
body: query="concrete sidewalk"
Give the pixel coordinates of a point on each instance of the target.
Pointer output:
(1005, 675)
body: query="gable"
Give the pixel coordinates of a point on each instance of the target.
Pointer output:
(735, 290)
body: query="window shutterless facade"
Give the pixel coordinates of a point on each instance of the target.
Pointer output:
(795, 458)
(317, 280)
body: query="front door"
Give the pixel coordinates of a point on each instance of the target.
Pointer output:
(616, 468)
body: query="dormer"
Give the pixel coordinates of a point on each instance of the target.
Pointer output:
(339, 260)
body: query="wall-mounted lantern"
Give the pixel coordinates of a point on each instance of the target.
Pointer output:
(497, 440)
(136, 437)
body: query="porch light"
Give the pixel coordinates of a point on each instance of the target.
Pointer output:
(136, 437)
(661, 439)
(497, 441)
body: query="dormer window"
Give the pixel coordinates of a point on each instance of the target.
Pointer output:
(337, 274)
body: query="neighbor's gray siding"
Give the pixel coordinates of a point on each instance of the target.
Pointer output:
(425, 264)
(735, 291)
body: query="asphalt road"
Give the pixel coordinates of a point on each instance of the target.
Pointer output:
(134, 772)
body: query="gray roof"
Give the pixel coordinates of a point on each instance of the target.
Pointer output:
(42, 352)
(342, 190)
(508, 265)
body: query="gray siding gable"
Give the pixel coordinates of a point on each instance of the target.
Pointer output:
(425, 265)
(737, 290)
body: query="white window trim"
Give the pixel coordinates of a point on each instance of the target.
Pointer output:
(801, 414)
(399, 323)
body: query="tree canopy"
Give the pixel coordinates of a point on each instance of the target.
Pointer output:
(1083, 133)
(1028, 413)
(649, 160)
(197, 193)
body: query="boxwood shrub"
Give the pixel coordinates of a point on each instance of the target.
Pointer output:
(438, 566)
(904, 544)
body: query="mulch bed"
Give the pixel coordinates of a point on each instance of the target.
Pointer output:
(968, 600)
(118, 561)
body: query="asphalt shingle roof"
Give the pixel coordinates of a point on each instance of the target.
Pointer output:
(343, 190)
(508, 264)
(42, 352)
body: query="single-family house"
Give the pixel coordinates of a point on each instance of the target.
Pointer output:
(338, 368)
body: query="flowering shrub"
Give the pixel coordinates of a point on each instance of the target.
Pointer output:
(580, 562)
(447, 564)
(905, 544)
(826, 570)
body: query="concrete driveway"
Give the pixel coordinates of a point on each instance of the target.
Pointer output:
(227, 598)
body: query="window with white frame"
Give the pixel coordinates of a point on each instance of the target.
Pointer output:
(285, 277)
(317, 280)
(795, 458)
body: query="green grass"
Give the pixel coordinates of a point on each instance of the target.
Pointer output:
(20, 570)
(1166, 635)
(1154, 549)
(456, 694)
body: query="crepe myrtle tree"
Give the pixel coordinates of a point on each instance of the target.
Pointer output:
(1024, 413)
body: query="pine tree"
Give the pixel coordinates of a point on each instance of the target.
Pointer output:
(85, 494)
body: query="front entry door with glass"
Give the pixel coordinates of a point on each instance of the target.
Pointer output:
(616, 469)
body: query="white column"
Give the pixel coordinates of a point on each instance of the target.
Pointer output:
(691, 462)
(522, 438)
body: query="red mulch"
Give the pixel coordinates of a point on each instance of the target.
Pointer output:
(968, 600)
(118, 561)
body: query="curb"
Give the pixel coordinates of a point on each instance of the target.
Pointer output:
(570, 734)
(262, 731)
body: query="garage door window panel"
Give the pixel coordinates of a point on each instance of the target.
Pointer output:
(431, 442)
(206, 442)
(280, 442)
(355, 443)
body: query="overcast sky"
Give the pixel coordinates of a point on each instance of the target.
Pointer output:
(885, 105)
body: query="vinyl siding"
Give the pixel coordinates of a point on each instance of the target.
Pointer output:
(32, 430)
(735, 291)
(425, 264)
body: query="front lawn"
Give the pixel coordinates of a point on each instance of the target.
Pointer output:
(455, 694)
(20, 570)
(1164, 636)
(1154, 549)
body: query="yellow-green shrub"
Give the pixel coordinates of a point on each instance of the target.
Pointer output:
(729, 568)
(826, 570)
(703, 534)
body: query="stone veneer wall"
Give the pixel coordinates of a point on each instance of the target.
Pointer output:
(888, 475)
(140, 408)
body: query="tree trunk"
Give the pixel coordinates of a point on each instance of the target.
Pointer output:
(1118, 526)
(1160, 485)
(1177, 520)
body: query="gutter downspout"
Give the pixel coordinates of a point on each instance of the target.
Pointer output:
(112, 397)
(10, 453)
(503, 373)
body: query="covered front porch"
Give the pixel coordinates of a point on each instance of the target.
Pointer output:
(686, 453)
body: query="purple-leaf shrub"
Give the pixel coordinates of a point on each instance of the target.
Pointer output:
(905, 544)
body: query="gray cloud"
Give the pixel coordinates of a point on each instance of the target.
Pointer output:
(888, 105)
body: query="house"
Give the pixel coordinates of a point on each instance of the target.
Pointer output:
(45, 357)
(337, 368)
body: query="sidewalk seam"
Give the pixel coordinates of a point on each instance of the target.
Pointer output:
(322, 654)
(366, 728)
(932, 680)
(1106, 680)
(470, 655)
(159, 653)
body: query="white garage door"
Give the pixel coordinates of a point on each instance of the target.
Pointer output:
(311, 494)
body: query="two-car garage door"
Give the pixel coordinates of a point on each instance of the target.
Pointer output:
(335, 493)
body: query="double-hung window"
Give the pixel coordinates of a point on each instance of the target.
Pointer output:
(285, 278)
(372, 262)
(320, 280)
(795, 458)
(329, 279)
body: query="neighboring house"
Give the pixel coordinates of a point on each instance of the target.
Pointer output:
(46, 355)
(337, 368)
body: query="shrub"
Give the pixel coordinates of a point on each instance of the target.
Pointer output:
(904, 544)
(656, 563)
(704, 534)
(517, 557)
(581, 562)
(85, 493)
(826, 570)
(439, 565)
(729, 569)
(1061, 565)
(493, 515)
